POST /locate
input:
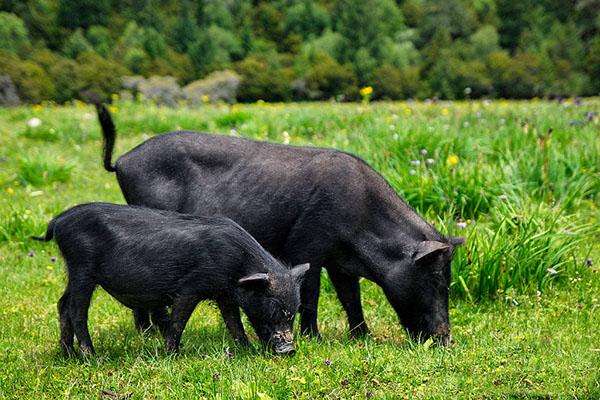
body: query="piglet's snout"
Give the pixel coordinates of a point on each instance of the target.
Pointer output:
(283, 342)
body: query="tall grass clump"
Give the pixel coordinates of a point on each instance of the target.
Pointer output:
(39, 172)
(17, 224)
(521, 250)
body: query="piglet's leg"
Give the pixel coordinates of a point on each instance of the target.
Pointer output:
(231, 315)
(181, 311)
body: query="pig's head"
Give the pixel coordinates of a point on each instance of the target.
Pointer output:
(271, 301)
(417, 286)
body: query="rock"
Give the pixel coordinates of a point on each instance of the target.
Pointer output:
(8, 92)
(218, 86)
(163, 90)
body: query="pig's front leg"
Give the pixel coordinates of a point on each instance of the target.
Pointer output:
(181, 311)
(230, 312)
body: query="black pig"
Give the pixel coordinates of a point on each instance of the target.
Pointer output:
(150, 259)
(322, 206)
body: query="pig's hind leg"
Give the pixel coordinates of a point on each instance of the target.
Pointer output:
(80, 296)
(141, 318)
(66, 326)
(160, 317)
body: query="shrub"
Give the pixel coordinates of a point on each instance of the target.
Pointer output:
(76, 44)
(83, 13)
(327, 78)
(214, 49)
(132, 82)
(450, 76)
(394, 83)
(32, 82)
(218, 86)
(100, 39)
(96, 74)
(13, 34)
(263, 80)
(174, 64)
(516, 77)
(162, 90)
(62, 71)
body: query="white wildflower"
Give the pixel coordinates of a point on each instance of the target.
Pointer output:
(34, 122)
(286, 137)
(430, 161)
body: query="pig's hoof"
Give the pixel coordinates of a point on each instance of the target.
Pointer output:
(172, 348)
(359, 332)
(87, 351)
(312, 334)
(68, 351)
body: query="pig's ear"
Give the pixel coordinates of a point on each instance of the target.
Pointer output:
(299, 270)
(428, 249)
(456, 241)
(258, 281)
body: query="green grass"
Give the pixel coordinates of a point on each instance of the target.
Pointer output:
(524, 301)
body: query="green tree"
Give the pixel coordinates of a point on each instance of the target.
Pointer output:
(100, 39)
(306, 19)
(13, 34)
(185, 29)
(76, 44)
(83, 13)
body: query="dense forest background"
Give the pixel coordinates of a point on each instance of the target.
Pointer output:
(302, 49)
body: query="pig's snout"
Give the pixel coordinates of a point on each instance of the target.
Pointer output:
(283, 343)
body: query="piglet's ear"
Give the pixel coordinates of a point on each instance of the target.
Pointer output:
(456, 241)
(428, 249)
(258, 281)
(299, 270)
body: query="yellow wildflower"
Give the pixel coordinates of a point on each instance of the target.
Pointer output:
(113, 109)
(114, 97)
(452, 160)
(205, 98)
(407, 111)
(37, 107)
(445, 112)
(10, 190)
(367, 90)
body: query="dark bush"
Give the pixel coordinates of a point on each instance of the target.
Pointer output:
(327, 79)
(32, 82)
(393, 83)
(101, 76)
(261, 80)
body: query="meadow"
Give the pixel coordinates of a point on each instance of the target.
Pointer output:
(520, 180)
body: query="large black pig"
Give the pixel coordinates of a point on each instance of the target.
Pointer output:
(150, 259)
(322, 206)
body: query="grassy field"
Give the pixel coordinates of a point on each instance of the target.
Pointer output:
(521, 180)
